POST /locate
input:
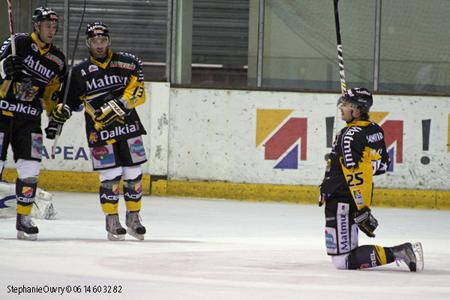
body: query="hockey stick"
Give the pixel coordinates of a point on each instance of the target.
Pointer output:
(11, 28)
(339, 48)
(69, 78)
(340, 59)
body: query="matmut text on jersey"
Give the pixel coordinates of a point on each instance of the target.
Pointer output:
(358, 138)
(105, 83)
(119, 75)
(39, 84)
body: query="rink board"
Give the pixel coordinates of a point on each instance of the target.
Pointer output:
(260, 145)
(88, 182)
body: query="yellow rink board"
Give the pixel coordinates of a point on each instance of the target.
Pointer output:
(89, 182)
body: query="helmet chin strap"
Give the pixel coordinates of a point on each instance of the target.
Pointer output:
(38, 34)
(353, 118)
(37, 30)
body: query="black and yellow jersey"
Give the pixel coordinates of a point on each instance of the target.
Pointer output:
(93, 81)
(358, 153)
(39, 87)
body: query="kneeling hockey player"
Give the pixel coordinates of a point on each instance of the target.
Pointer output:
(358, 153)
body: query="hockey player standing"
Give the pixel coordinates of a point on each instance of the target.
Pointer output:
(358, 153)
(29, 83)
(110, 85)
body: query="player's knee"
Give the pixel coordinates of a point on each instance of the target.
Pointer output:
(29, 180)
(353, 262)
(340, 261)
(28, 168)
(111, 184)
(110, 174)
(133, 189)
(131, 183)
(109, 191)
(130, 173)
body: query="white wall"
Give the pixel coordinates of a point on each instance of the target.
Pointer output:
(213, 137)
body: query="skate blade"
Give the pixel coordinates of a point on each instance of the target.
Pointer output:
(21, 235)
(116, 237)
(418, 251)
(134, 234)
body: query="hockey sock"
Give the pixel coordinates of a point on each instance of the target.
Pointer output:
(369, 256)
(25, 193)
(132, 190)
(109, 195)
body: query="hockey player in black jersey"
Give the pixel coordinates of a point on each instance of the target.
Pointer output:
(358, 153)
(110, 85)
(29, 84)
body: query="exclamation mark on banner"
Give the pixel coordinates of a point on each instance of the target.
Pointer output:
(426, 124)
(329, 124)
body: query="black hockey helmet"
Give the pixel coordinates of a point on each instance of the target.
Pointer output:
(96, 28)
(361, 97)
(44, 14)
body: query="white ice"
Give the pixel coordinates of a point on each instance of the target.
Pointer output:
(217, 249)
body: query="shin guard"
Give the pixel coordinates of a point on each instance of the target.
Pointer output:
(369, 256)
(25, 194)
(109, 195)
(132, 190)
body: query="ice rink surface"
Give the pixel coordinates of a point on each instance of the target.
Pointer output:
(216, 249)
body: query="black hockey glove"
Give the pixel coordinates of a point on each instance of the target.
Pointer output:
(13, 66)
(366, 222)
(111, 111)
(52, 130)
(61, 113)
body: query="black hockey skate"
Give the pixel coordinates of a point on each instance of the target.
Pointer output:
(411, 255)
(134, 226)
(115, 230)
(26, 230)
